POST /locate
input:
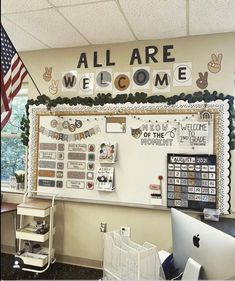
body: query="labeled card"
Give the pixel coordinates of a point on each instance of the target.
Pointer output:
(108, 152)
(105, 178)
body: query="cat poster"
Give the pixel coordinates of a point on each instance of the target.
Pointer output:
(136, 133)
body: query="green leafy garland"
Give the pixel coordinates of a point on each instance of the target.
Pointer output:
(138, 97)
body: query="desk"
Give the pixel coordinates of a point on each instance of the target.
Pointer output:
(226, 225)
(10, 208)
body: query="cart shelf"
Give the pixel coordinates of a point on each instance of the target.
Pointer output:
(42, 209)
(27, 235)
(35, 259)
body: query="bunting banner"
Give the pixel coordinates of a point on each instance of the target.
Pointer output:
(70, 137)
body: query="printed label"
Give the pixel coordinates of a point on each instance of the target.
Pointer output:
(46, 183)
(46, 173)
(76, 184)
(47, 146)
(77, 147)
(76, 175)
(76, 165)
(76, 156)
(47, 164)
(47, 155)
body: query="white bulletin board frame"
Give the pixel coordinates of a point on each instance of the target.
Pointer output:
(138, 165)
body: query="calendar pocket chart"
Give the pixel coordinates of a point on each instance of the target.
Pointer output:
(191, 181)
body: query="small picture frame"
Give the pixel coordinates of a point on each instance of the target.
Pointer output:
(115, 124)
(107, 152)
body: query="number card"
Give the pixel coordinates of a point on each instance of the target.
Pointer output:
(191, 181)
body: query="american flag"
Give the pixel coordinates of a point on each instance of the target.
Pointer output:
(13, 72)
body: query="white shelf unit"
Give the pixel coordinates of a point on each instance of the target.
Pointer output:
(39, 259)
(127, 260)
(40, 209)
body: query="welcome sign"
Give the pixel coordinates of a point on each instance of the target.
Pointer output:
(141, 73)
(138, 78)
(151, 55)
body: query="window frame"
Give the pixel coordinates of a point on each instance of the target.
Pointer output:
(5, 184)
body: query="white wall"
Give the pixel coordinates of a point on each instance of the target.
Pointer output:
(78, 224)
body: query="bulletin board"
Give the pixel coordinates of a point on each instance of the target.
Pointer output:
(127, 146)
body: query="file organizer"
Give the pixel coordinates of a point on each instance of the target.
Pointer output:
(127, 260)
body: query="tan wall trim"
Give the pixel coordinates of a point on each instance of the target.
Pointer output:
(79, 261)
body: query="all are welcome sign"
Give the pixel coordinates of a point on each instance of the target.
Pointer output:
(138, 77)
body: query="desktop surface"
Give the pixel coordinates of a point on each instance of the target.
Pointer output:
(224, 224)
(8, 207)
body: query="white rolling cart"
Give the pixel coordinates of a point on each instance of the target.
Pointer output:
(35, 260)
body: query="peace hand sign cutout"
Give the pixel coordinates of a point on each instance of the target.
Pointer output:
(214, 65)
(53, 88)
(47, 74)
(202, 82)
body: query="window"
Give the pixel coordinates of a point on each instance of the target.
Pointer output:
(13, 152)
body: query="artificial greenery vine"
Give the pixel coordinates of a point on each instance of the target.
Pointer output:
(138, 97)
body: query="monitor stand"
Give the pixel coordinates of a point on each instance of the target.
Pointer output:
(192, 270)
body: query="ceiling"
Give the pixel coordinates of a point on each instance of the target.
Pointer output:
(42, 24)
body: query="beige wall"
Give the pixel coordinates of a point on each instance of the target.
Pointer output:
(197, 49)
(78, 224)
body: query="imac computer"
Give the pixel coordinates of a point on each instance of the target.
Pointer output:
(213, 249)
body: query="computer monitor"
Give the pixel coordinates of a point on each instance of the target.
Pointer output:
(210, 247)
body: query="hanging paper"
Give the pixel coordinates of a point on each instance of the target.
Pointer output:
(193, 133)
(115, 124)
(104, 179)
